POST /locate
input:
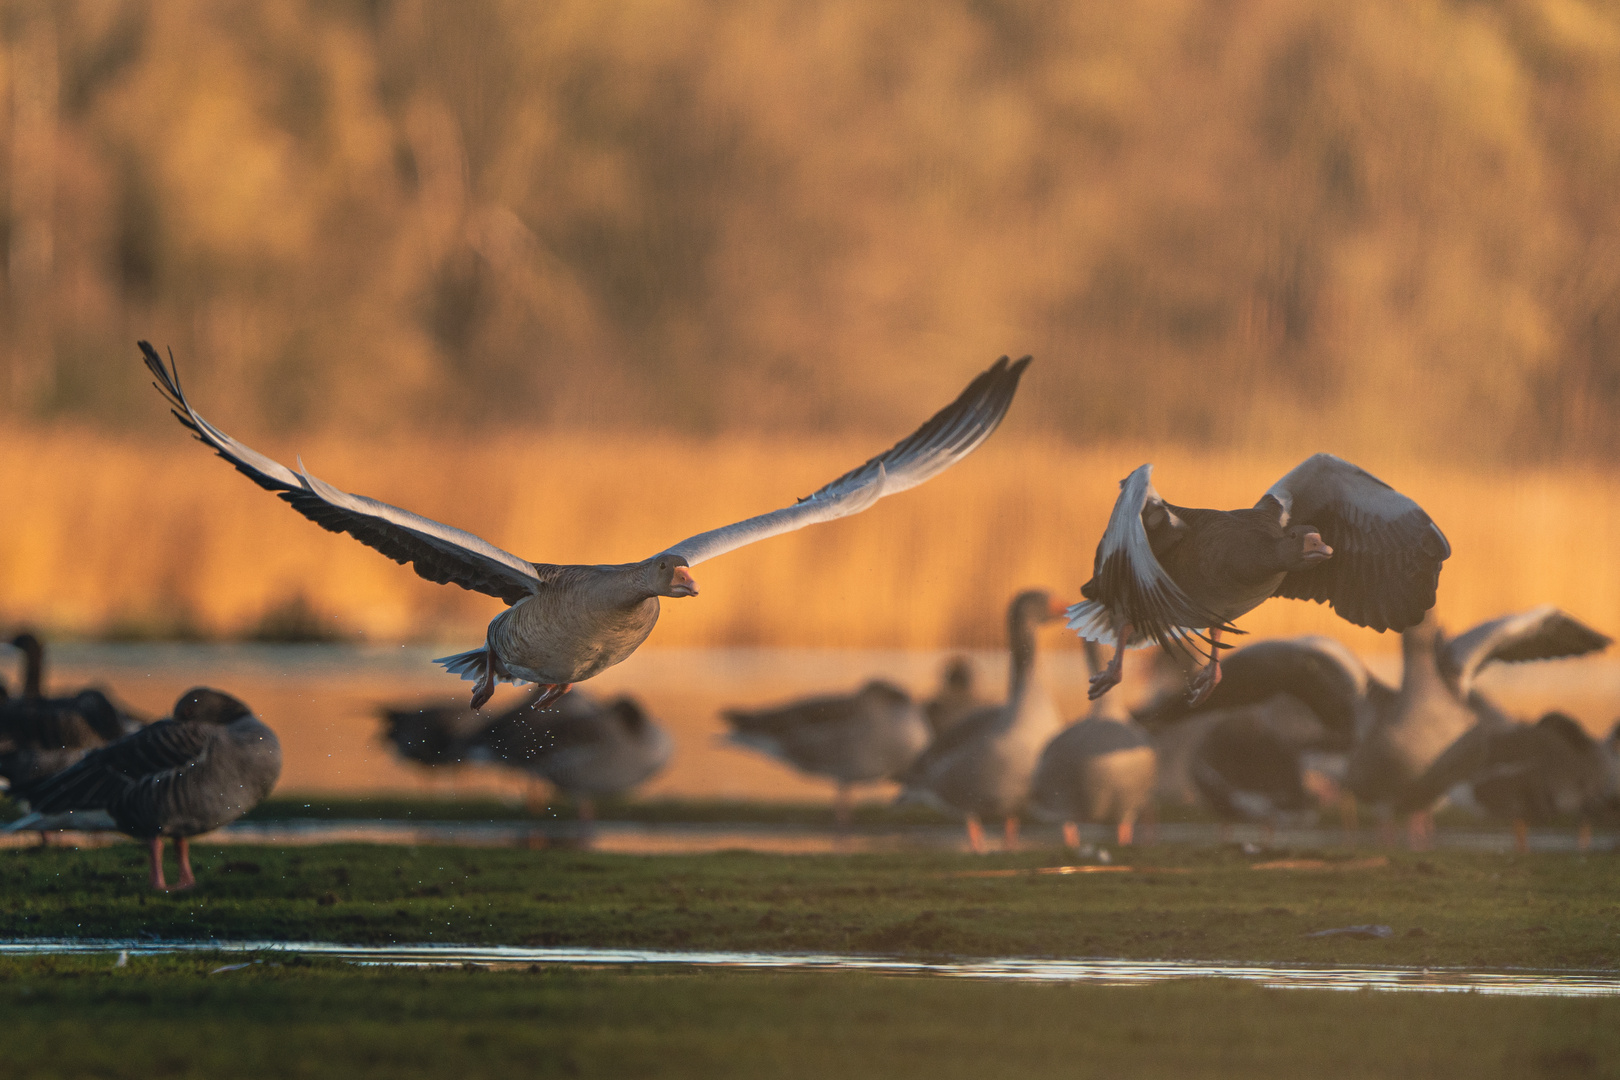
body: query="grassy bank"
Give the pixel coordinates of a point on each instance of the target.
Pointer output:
(1446, 908)
(169, 1017)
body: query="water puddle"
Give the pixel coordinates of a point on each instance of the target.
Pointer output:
(1100, 972)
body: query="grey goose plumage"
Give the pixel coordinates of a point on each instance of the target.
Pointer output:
(568, 623)
(203, 768)
(1327, 531)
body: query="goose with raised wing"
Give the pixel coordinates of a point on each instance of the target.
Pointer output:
(1178, 576)
(204, 768)
(566, 624)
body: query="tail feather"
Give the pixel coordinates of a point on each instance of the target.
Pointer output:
(1091, 621)
(470, 665)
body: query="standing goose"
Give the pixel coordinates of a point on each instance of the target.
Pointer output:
(1328, 531)
(1101, 768)
(206, 767)
(585, 748)
(872, 734)
(982, 766)
(569, 623)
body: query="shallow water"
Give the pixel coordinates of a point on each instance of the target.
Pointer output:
(1102, 972)
(323, 701)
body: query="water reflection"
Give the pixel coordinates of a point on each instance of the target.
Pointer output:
(1102, 972)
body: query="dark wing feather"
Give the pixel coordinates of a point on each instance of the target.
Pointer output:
(436, 551)
(951, 435)
(1128, 581)
(101, 776)
(1386, 551)
(1542, 633)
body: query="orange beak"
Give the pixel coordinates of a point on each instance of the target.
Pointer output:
(1315, 549)
(683, 584)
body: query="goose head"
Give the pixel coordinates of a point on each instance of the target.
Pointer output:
(669, 575)
(201, 705)
(1302, 547)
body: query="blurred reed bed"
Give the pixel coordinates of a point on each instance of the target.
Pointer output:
(139, 538)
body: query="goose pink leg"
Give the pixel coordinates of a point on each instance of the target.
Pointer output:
(1209, 677)
(182, 847)
(154, 850)
(1109, 677)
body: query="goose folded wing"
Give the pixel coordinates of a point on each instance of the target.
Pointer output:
(1542, 633)
(951, 435)
(436, 551)
(1127, 578)
(1386, 550)
(102, 775)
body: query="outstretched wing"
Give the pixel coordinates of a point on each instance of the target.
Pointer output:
(953, 433)
(1542, 633)
(437, 552)
(1386, 551)
(102, 775)
(1127, 579)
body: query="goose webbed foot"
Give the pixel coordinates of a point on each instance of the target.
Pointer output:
(551, 693)
(1204, 683)
(1110, 676)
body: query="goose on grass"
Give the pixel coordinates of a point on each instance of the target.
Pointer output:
(566, 624)
(209, 764)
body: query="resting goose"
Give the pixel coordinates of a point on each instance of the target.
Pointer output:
(982, 766)
(1328, 531)
(956, 699)
(586, 748)
(1101, 768)
(206, 767)
(872, 734)
(40, 736)
(569, 623)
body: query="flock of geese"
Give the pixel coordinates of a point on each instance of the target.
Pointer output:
(1247, 732)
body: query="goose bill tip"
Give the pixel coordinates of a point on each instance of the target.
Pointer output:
(683, 583)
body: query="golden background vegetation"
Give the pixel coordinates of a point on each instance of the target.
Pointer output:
(586, 278)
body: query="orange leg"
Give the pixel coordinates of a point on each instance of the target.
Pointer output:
(154, 850)
(1583, 838)
(1009, 832)
(1126, 832)
(1205, 682)
(1110, 676)
(841, 809)
(1071, 836)
(975, 833)
(182, 847)
(1521, 835)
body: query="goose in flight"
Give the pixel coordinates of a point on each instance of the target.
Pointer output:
(1328, 531)
(566, 624)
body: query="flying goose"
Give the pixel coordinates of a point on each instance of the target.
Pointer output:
(1328, 531)
(568, 623)
(982, 766)
(206, 767)
(584, 747)
(1099, 769)
(872, 734)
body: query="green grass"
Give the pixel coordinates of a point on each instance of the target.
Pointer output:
(168, 1017)
(1447, 908)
